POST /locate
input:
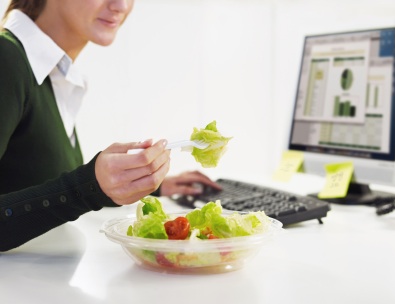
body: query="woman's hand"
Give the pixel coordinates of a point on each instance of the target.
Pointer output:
(187, 183)
(125, 178)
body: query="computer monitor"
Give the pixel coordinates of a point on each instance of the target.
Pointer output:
(344, 108)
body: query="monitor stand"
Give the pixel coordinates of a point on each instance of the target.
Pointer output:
(360, 194)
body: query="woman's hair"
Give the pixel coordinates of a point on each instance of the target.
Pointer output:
(32, 8)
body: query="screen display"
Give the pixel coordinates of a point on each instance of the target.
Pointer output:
(345, 98)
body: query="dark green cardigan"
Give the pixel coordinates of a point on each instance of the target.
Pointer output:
(43, 183)
(34, 145)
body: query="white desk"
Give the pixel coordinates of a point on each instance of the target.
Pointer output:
(348, 259)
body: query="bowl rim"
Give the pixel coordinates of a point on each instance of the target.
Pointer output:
(111, 228)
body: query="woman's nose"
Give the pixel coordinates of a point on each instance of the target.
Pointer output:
(120, 5)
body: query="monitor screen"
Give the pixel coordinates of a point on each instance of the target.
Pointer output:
(344, 107)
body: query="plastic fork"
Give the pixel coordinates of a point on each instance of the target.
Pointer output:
(185, 145)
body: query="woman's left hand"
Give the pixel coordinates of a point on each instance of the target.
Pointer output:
(187, 183)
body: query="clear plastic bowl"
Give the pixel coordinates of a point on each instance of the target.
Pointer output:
(188, 256)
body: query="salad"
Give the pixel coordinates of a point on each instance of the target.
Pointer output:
(210, 156)
(199, 224)
(202, 240)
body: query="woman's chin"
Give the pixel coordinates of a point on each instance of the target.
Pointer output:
(104, 41)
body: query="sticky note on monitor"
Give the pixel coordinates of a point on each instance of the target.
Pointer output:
(338, 178)
(291, 162)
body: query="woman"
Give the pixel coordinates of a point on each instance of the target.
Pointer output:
(43, 182)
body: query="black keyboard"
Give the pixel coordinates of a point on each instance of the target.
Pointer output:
(288, 208)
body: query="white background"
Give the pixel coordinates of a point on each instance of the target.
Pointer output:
(179, 64)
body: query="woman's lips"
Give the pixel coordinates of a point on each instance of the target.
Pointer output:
(109, 22)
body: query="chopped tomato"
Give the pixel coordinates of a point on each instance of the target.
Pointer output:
(177, 229)
(161, 260)
(212, 236)
(206, 231)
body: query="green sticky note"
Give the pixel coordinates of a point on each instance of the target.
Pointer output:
(291, 162)
(338, 178)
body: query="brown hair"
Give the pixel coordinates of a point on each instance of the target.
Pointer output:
(32, 8)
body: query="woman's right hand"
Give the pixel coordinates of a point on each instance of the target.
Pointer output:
(126, 178)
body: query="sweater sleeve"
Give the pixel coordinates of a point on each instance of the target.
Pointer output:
(30, 212)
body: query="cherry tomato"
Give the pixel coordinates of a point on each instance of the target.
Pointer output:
(177, 229)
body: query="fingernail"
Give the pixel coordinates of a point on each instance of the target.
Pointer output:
(143, 141)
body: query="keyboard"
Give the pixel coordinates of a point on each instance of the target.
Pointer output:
(288, 208)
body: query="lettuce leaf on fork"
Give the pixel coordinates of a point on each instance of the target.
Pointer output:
(210, 156)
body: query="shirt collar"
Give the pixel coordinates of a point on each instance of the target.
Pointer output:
(42, 52)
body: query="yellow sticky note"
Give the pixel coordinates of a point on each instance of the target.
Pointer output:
(338, 178)
(291, 162)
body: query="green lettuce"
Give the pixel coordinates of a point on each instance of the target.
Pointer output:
(210, 156)
(150, 217)
(200, 218)
(209, 220)
(150, 204)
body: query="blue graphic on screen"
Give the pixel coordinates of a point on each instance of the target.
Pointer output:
(387, 43)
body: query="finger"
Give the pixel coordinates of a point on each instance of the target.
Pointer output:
(188, 190)
(141, 146)
(124, 161)
(204, 179)
(149, 156)
(133, 174)
(198, 177)
(124, 147)
(137, 189)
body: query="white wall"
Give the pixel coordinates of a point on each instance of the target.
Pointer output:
(178, 64)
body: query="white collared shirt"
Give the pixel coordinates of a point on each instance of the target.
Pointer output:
(47, 59)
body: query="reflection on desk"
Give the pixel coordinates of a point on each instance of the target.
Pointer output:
(348, 259)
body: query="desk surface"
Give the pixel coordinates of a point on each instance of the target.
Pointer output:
(348, 259)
